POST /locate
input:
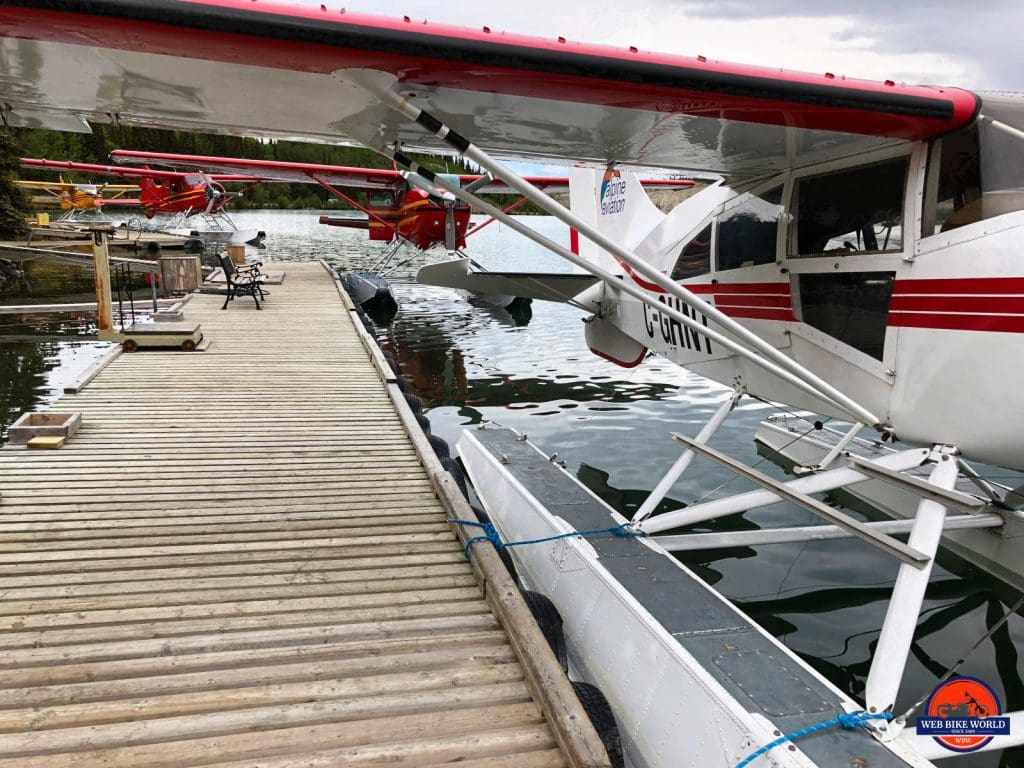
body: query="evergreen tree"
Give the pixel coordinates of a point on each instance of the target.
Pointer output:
(13, 205)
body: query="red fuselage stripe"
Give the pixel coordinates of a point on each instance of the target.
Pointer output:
(960, 286)
(755, 300)
(992, 323)
(986, 305)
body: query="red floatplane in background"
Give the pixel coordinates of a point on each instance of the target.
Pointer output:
(861, 259)
(181, 198)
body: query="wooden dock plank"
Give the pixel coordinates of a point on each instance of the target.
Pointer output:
(239, 559)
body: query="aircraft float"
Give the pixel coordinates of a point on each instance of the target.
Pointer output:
(401, 208)
(860, 259)
(180, 196)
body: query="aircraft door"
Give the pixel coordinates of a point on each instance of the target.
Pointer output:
(849, 227)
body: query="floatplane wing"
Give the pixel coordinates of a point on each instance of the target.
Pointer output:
(307, 173)
(120, 171)
(59, 186)
(340, 175)
(318, 73)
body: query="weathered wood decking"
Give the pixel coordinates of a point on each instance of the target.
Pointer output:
(239, 561)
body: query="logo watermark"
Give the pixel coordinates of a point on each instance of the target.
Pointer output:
(963, 714)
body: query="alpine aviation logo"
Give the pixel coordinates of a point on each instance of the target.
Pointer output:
(613, 193)
(963, 714)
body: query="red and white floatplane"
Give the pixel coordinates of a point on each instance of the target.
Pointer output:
(860, 259)
(190, 204)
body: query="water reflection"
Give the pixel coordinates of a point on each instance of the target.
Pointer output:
(39, 353)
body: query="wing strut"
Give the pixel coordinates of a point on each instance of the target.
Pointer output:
(633, 290)
(753, 347)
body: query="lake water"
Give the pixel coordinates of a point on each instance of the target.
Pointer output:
(824, 600)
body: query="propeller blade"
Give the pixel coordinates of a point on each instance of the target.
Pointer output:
(449, 228)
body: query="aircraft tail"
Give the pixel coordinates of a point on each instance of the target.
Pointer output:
(615, 203)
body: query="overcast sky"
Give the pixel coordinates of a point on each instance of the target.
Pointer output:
(971, 43)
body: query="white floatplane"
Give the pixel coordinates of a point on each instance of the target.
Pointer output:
(860, 259)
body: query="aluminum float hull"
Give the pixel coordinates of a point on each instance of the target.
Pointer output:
(692, 680)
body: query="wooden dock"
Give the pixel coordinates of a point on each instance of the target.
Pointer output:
(241, 559)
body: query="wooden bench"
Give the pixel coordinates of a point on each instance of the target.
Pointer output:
(242, 281)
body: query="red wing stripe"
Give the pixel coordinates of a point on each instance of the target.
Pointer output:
(276, 35)
(961, 286)
(992, 323)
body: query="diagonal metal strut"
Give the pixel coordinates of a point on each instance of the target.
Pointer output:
(883, 541)
(765, 352)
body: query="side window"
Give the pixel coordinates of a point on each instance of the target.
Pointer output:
(380, 198)
(850, 306)
(952, 183)
(747, 232)
(856, 209)
(695, 258)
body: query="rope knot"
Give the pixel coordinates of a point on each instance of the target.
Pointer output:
(627, 531)
(489, 534)
(852, 720)
(848, 720)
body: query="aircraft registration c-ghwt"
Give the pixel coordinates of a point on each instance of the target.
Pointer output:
(861, 258)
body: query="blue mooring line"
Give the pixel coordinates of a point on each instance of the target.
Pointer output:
(850, 721)
(491, 535)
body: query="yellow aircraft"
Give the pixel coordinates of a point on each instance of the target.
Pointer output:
(71, 196)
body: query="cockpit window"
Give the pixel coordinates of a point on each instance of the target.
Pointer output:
(978, 172)
(855, 209)
(747, 232)
(695, 258)
(452, 178)
(381, 198)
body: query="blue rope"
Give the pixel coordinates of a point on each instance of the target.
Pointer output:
(491, 535)
(848, 720)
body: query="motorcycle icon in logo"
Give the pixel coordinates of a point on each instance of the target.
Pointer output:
(963, 714)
